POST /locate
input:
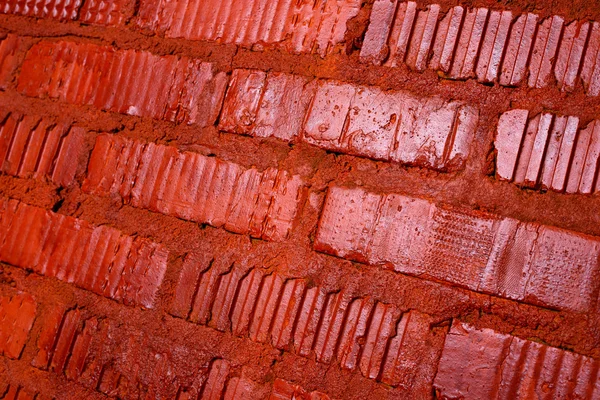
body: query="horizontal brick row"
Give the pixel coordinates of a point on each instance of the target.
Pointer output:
(315, 26)
(359, 120)
(360, 333)
(102, 12)
(36, 147)
(17, 392)
(99, 259)
(484, 364)
(548, 151)
(9, 48)
(195, 187)
(488, 45)
(131, 82)
(103, 355)
(16, 319)
(283, 390)
(483, 252)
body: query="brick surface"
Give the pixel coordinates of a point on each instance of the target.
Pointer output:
(484, 44)
(58, 9)
(194, 187)
(103, 12)
(16, 319)
(372, 337)
(548, 151)
(18, 392)
(99, 259)
(124, 81)
(358, 120)
(315, 26)
(9, 48)
(484, 364)
(283, 390)
(482, 252)
(35, 147)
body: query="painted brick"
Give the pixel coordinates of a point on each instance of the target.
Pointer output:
(58, 9)
(283, 390)
(137, 82)
(99, 259)
(35, 147)
(501, 256)
(16, 319)
(488, 45)
(194, 187)
(308, 26)
(358, 120)
(553, 152)
(9, 49)
(360, 333)
(484, 364)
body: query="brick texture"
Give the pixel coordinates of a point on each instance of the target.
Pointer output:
(358, 120)
(484, 364)
(283, 390)
(315, 26)
(35, 147)
(528, 262)
(9, 47)
(194, 187)
(548, 151)
(18, 392)
(16, 319)
(124, 81)
(485, 45)
(361, 334)
(101, 12)
(99, 259)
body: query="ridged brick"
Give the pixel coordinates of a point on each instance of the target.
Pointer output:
(18, 392)
(102, 12)
(283, 390)
(58, 9)
(99, 259)
(360, 333)
(484, 364)
(171, 88)
(35, 147)
(9, 49)
(16, 319)
(194, 187)
(501, 256)
(316, 26)
(359, 120)
(548, 151)
(488, 45)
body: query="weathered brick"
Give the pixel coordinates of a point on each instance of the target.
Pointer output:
(493, 44)
(58, 9)
(283, 390)
(311, 26)
(448, 31)
(16, 319)
(544, 52)
(18, 392)
(194, 187)
(9, 49)
(484, 364)
(467, 47)
(37, 147)
(570, 54)
(375, 48)
(552, 152)
(99, 259)
(519, 46)
(522, 261)
(124, 81)
(102, 12)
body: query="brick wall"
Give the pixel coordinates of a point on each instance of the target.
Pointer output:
(250, 199)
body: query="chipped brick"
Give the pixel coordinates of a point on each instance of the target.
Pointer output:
(283, 390)
(9, 51)
(16, 319)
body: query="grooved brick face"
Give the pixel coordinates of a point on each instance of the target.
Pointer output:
(9, 47)
(482, 252)
(16, 319)
(101, 12)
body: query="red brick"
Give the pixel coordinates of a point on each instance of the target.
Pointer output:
(265, 308)
(448, 31)
(380, 330)
(283, 390)
(399, 37)
(215, 385)
(416, 237)
(544, 51)
(311, 27)
(590, 70)
(58, 9)
(16, 319)
(492, 47)
(518, 49)
(484, 364)
(570, 54)
(33, 146)
(188, 91)
(102, 12)
(194, 187)
(355, 328)
(374, 47)
(9, 58)
(17, 392)
(44, 242)
(419, 47)
(240, 389)
(463, 65)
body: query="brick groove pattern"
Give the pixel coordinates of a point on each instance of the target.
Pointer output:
(101, 12)
(16, 319)
(484, 364)
(17, 392)
(548, 151)
(315, 26)
(522, 261)
(9, 48)
(360, 333)
(99, 259)
(358, 120)
(135, 366)
(33, 146)
(283, 390)
(487, 45)
(189, 91)
(194, 187)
